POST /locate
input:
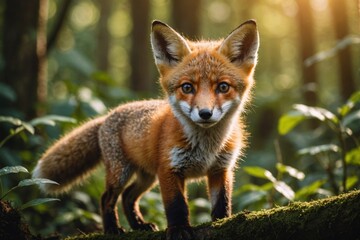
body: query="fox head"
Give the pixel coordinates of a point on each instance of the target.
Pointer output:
(206, 81)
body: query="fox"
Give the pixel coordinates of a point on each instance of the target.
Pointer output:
(196, 131)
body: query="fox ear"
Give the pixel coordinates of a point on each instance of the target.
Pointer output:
(242, 44)
(168, 46)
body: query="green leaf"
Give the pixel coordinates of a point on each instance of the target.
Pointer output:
(354, 116)
(7, 92)
(13, 169)
(279, 186)
(319, 149)
(288, 121)
(284, 189)
(36, 181)
(321, 114)
(311, 189)
(354, 98)
(38, 201)
(353, 156)
(256, 172)
(17, 122)
(351, 181)
(291, 171)
(14, 121)
(51, 120)
(252, 187)
(28, 127)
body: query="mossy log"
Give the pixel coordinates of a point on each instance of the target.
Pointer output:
(331, 218)
(12, 226)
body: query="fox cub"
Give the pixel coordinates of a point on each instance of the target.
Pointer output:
(196, 131)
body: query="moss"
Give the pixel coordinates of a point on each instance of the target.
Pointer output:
(11, 224)
(331, 218)
(129, 236)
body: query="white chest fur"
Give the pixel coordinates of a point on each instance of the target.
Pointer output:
(205, 152)
(194, 163)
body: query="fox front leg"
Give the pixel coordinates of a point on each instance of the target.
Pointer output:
(176, 208)
(220, 191)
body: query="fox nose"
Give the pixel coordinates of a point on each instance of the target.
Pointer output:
(205, 113)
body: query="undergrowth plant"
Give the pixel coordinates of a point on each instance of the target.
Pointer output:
(23, 183)
(286, 183)
(343, 140)
(28, 127)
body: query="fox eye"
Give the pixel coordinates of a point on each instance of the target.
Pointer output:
(223, 87)
(187, 88)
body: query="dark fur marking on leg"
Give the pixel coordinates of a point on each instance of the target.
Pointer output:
(133, 215)
(177, 212)
(222, 207)
(109, 212)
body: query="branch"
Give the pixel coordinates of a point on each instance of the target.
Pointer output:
(331, 218)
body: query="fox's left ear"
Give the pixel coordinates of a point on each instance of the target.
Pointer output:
(242, 44)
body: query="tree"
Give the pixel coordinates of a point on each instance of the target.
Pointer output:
(140, 49)
(104, 35)
(307, 49)
(340, 20)
(186, 17)
(23, 51)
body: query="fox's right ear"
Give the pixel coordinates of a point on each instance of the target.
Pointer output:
(168, 46)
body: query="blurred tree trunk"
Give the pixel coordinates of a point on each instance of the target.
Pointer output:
(104, 35)
(340, 20)
(41, 51)
(307, 49)
(23, 51)
(62, 14)
(186, 17)
(140, 51)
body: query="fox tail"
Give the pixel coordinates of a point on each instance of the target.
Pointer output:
(71, 159)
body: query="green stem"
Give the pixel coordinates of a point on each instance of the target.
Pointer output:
(17, 130)
(343, 156)
(330, 172)
(1, 187)
(3, 196)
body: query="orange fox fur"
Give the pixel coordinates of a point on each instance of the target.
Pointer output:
(196, 131)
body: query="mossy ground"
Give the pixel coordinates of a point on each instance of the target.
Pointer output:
(331, 218)
(11, 224)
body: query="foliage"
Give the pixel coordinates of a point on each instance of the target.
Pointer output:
(26, 130)
(26, 182)
(339, 149)
(341, 125)
(29, 126)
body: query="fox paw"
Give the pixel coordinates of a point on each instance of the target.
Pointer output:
(180, 233)
(147, 227)
(115, 231)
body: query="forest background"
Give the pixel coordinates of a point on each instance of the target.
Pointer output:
(77, 59)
